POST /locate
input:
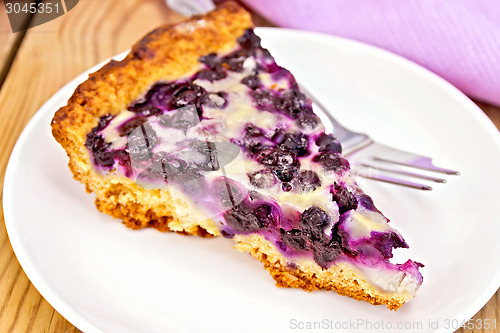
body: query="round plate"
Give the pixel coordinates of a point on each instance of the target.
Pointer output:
(104, 277)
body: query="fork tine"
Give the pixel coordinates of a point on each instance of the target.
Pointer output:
(391, 180)
(359, 148)
(424, 163)
(405, 173)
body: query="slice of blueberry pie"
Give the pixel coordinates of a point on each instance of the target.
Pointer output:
(199, 131)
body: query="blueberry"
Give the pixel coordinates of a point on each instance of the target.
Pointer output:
(308, 181)
(285, 174)
(95, 142)
(313, 221)
(249, 40)
(104, 158)
(295, 143)
(278, 136)
(293, 238)
(307, 121)
(146, 109)
(253, 131)
(265, 214)
(266, 56)
(242, 219)
(328, 142)
(130, 125)
(384, 242)
(331, 161)
(325, 253)
(188, 93)
(258, 150)
(262, 179)
(235, 60)
(210, 60)
(279, 158)
(122, 157)
(211, 74)
(280, 73)
(251, 81)
(156, 98)
(227, 234)
(286, 187)
(290, 102)
(367, 202)
(343, 197)
(103, 122)
(263, 99)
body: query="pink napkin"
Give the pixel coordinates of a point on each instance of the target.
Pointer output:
(457, 39)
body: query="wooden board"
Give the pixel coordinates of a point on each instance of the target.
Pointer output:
(7, 42)
(50, 56)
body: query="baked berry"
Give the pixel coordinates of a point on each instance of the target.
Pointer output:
(251, 81)
(328, 142)
(263, 99)
(295, 143)
(307, 181)
(130, 125)
(264, 178)
(249, 40)
(188, 94)
(307, 121)
(242, 218)
(331, 161)
(104, 158)
(293, 238)
(211, 74)
(325, 253)
(345, 200)
(235, 60)
(314, 220)
(285, 174)
(210, 60)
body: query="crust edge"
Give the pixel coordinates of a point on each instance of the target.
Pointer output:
(339, 277)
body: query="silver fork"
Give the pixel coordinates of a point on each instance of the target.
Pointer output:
(373, 160)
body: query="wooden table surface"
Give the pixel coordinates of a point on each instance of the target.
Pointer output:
(34, 65)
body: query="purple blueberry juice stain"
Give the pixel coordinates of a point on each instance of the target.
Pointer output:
(344, 198)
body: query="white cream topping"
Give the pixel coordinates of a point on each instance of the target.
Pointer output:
(361, 222)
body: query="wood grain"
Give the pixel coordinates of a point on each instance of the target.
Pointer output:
(51, 55)
(7, 42)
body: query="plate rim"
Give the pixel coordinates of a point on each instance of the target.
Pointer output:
(78, 319)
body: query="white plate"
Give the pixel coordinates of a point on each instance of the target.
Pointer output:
(104, 277)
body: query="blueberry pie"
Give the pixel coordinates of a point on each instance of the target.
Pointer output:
(199, 131)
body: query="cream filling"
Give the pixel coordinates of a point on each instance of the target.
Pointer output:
(361, 222)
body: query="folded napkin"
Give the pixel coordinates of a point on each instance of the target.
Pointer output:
(457, 39)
